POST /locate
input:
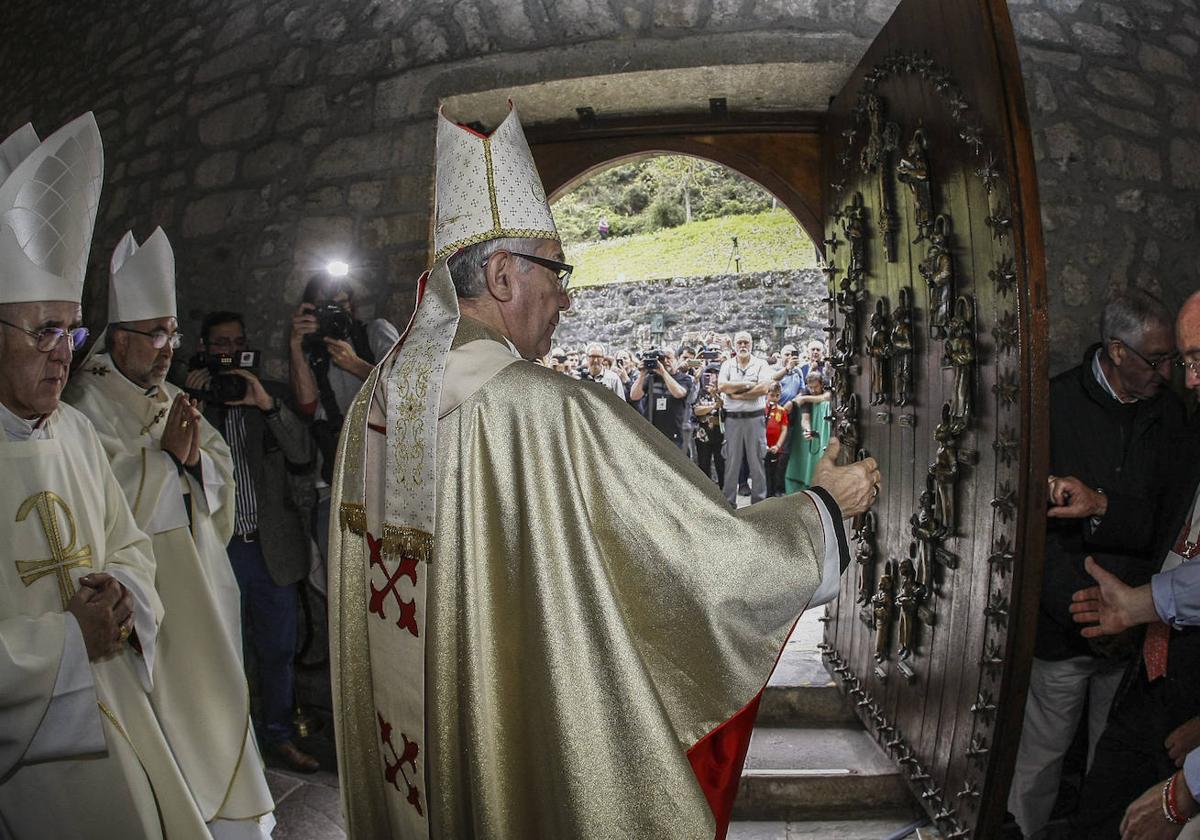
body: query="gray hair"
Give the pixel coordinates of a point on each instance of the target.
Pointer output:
(587, 351)
(1128, 315)
(466, 269)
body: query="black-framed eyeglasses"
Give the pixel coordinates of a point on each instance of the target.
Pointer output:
(1154, 364)
(158, 338)
(47, 338)
(561, 270)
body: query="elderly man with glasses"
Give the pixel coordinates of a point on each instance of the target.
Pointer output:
(1112, 427)
(177, 475)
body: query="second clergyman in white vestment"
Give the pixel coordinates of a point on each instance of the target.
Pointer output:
(177, 475)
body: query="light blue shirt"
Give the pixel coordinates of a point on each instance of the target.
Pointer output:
(1177, 602)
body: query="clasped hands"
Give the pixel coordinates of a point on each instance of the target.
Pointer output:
(104, 609)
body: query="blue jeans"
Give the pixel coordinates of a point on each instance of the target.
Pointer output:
(269, 615)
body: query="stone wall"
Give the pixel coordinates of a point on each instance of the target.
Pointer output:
(1114, 95)
(268, 136)
(623, 314)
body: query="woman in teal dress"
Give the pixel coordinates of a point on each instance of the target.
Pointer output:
(809, 445)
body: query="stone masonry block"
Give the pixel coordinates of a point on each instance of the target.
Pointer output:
(217, 170)
(236, 121)
(1185, 163)
(304, 107)
(363, 155)
(1126, 160)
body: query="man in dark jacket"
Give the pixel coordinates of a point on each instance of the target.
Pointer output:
(272, 457)
(1111, 422)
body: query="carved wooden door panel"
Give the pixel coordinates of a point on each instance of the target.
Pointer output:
(937, 299)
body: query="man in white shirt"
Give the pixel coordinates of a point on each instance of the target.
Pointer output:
(744, 381)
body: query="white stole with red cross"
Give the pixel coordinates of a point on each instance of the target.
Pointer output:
(398, 518)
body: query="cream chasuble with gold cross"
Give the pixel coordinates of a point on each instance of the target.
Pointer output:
(62, 516)
(200, 692)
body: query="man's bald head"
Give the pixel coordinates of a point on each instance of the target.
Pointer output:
(1187, 325)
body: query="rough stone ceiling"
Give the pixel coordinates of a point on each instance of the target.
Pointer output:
(776, 86)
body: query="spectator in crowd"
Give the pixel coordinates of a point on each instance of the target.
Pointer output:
(709, 437)
(602, 227)
(1111, 426)
(814, 430)
(661, 392)
(331, 353)
(791, 385)
(1153, 725)
(690, 364)
(743, 382)
(777, 435)
(817, 361)
(272, 454)
(595, 371)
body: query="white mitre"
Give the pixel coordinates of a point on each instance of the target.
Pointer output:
(487, 187)
(49, 195)
(141, 280)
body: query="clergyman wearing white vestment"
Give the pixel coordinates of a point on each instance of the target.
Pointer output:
(184, 500)
(531, 638)
(82, 754)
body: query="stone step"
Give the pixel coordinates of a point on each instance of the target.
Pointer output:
(802, 693)
(873, 828)
(810, 773)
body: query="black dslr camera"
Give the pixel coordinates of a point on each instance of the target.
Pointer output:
(223, 388)
(711, 353)
(332, 322)
(650, 360)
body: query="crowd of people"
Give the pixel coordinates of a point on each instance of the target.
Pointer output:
(757, 425)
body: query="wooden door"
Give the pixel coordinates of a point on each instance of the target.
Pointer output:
(937, 297)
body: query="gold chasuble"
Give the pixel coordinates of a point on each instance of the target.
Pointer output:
(200, 693)
(594, 615)
(64, 517)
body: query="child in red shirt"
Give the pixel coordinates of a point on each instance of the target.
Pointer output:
(777, 433)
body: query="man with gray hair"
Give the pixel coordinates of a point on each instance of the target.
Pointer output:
(595, 371)
(1111, 427)
(744, 381)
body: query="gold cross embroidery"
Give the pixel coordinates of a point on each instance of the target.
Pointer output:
(62, 558)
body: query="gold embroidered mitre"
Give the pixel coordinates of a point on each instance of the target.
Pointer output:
(487, 187)
(49, 195)
(141, 282)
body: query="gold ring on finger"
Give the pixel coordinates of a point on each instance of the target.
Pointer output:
(125, 631)
(185, 424)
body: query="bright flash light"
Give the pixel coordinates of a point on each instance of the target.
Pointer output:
(337, 268)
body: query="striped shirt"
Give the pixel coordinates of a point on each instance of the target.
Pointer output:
(245, 518)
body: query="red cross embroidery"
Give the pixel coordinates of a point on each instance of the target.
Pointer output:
(394, 768)
(408, 569)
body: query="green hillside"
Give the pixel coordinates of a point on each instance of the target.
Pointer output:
(766, 241)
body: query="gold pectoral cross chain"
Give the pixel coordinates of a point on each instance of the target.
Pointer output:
(62, 558)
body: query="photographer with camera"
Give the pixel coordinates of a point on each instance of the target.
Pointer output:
(709, 436)
(179, 479)
(664, 401)
(331, 354)
(272, 461)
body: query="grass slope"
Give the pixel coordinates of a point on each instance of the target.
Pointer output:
(766, 241)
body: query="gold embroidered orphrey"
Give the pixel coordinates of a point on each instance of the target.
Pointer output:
(62, 558)
(412, 382)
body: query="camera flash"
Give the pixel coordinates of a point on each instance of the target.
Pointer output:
(337, 268)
